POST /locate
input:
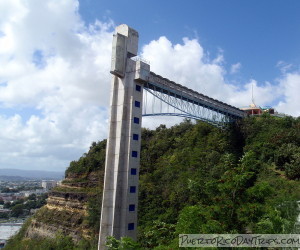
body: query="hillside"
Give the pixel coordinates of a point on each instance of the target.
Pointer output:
(194, 178)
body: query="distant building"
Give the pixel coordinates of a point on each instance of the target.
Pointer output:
(49, 184)
(40, 191)
(252, 109)
(6, 197)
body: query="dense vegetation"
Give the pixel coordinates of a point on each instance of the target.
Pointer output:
(60, 242)
(201, 179)
(22, 207)
(195, 178)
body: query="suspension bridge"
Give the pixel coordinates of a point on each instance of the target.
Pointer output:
(134, 89)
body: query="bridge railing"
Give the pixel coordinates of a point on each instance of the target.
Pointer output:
(167, 87)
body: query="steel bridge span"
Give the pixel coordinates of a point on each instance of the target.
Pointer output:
(188, 103)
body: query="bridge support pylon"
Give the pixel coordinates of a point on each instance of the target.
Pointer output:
(120, 192)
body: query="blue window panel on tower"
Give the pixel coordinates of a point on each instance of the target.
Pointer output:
(132, 189)
(136, 120)
(133, 171)
(131, 207)
(138, 88)
(137, 104)
(135, 137)
(130, 226)
(134, 154)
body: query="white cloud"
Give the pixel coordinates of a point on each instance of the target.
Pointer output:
(289, 86)
(284, 67)
(235, 68)
(68, 82)
(55, 65)
(184, 63)
(187, 64)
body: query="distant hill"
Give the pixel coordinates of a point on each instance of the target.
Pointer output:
(12, 178)
(30, 174)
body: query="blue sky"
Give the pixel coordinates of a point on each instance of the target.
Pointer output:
(257, 33)
(55, 62)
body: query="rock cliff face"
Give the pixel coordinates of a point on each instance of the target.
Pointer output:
(67, 210)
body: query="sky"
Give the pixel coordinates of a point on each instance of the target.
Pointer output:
(55, 63)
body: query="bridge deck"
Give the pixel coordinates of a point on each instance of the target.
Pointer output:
(165, 86)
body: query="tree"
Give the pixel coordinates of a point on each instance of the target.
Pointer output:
(17, 210)
(287, 158)
(32, 197)
(7, 205)
(124, 243)
(30, 204)
(5, 190)
(4, 215)
(198, 220)
(159, 233)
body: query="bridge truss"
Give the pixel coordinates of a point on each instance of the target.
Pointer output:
(167, 98)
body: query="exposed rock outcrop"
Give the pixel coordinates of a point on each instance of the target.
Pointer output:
(66, 211)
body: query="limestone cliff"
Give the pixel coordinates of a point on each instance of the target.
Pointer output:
(68, 211)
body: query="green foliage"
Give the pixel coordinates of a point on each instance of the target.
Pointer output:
(204, 180)
(32, 197)
(57, 218)
(172, 160)
(94, 212)
(92, 161)
(21, 207)
(159, 233)
(17, 210)
(7, 190)
(198, 220)
(4, 215)
(60, 242)
(124, 243)
(15, 243)
(287, 158)
(273, 223)
(7, 205)
(195, 178)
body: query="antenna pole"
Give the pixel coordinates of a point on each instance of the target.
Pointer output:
(252, 94)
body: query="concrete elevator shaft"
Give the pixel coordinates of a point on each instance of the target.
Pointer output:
(120, 192)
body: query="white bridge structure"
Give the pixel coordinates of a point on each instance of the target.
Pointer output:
(130, 79)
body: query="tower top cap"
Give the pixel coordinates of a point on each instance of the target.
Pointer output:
(127, 31)
(132, 38)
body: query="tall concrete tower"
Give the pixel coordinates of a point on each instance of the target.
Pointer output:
(120, 193)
